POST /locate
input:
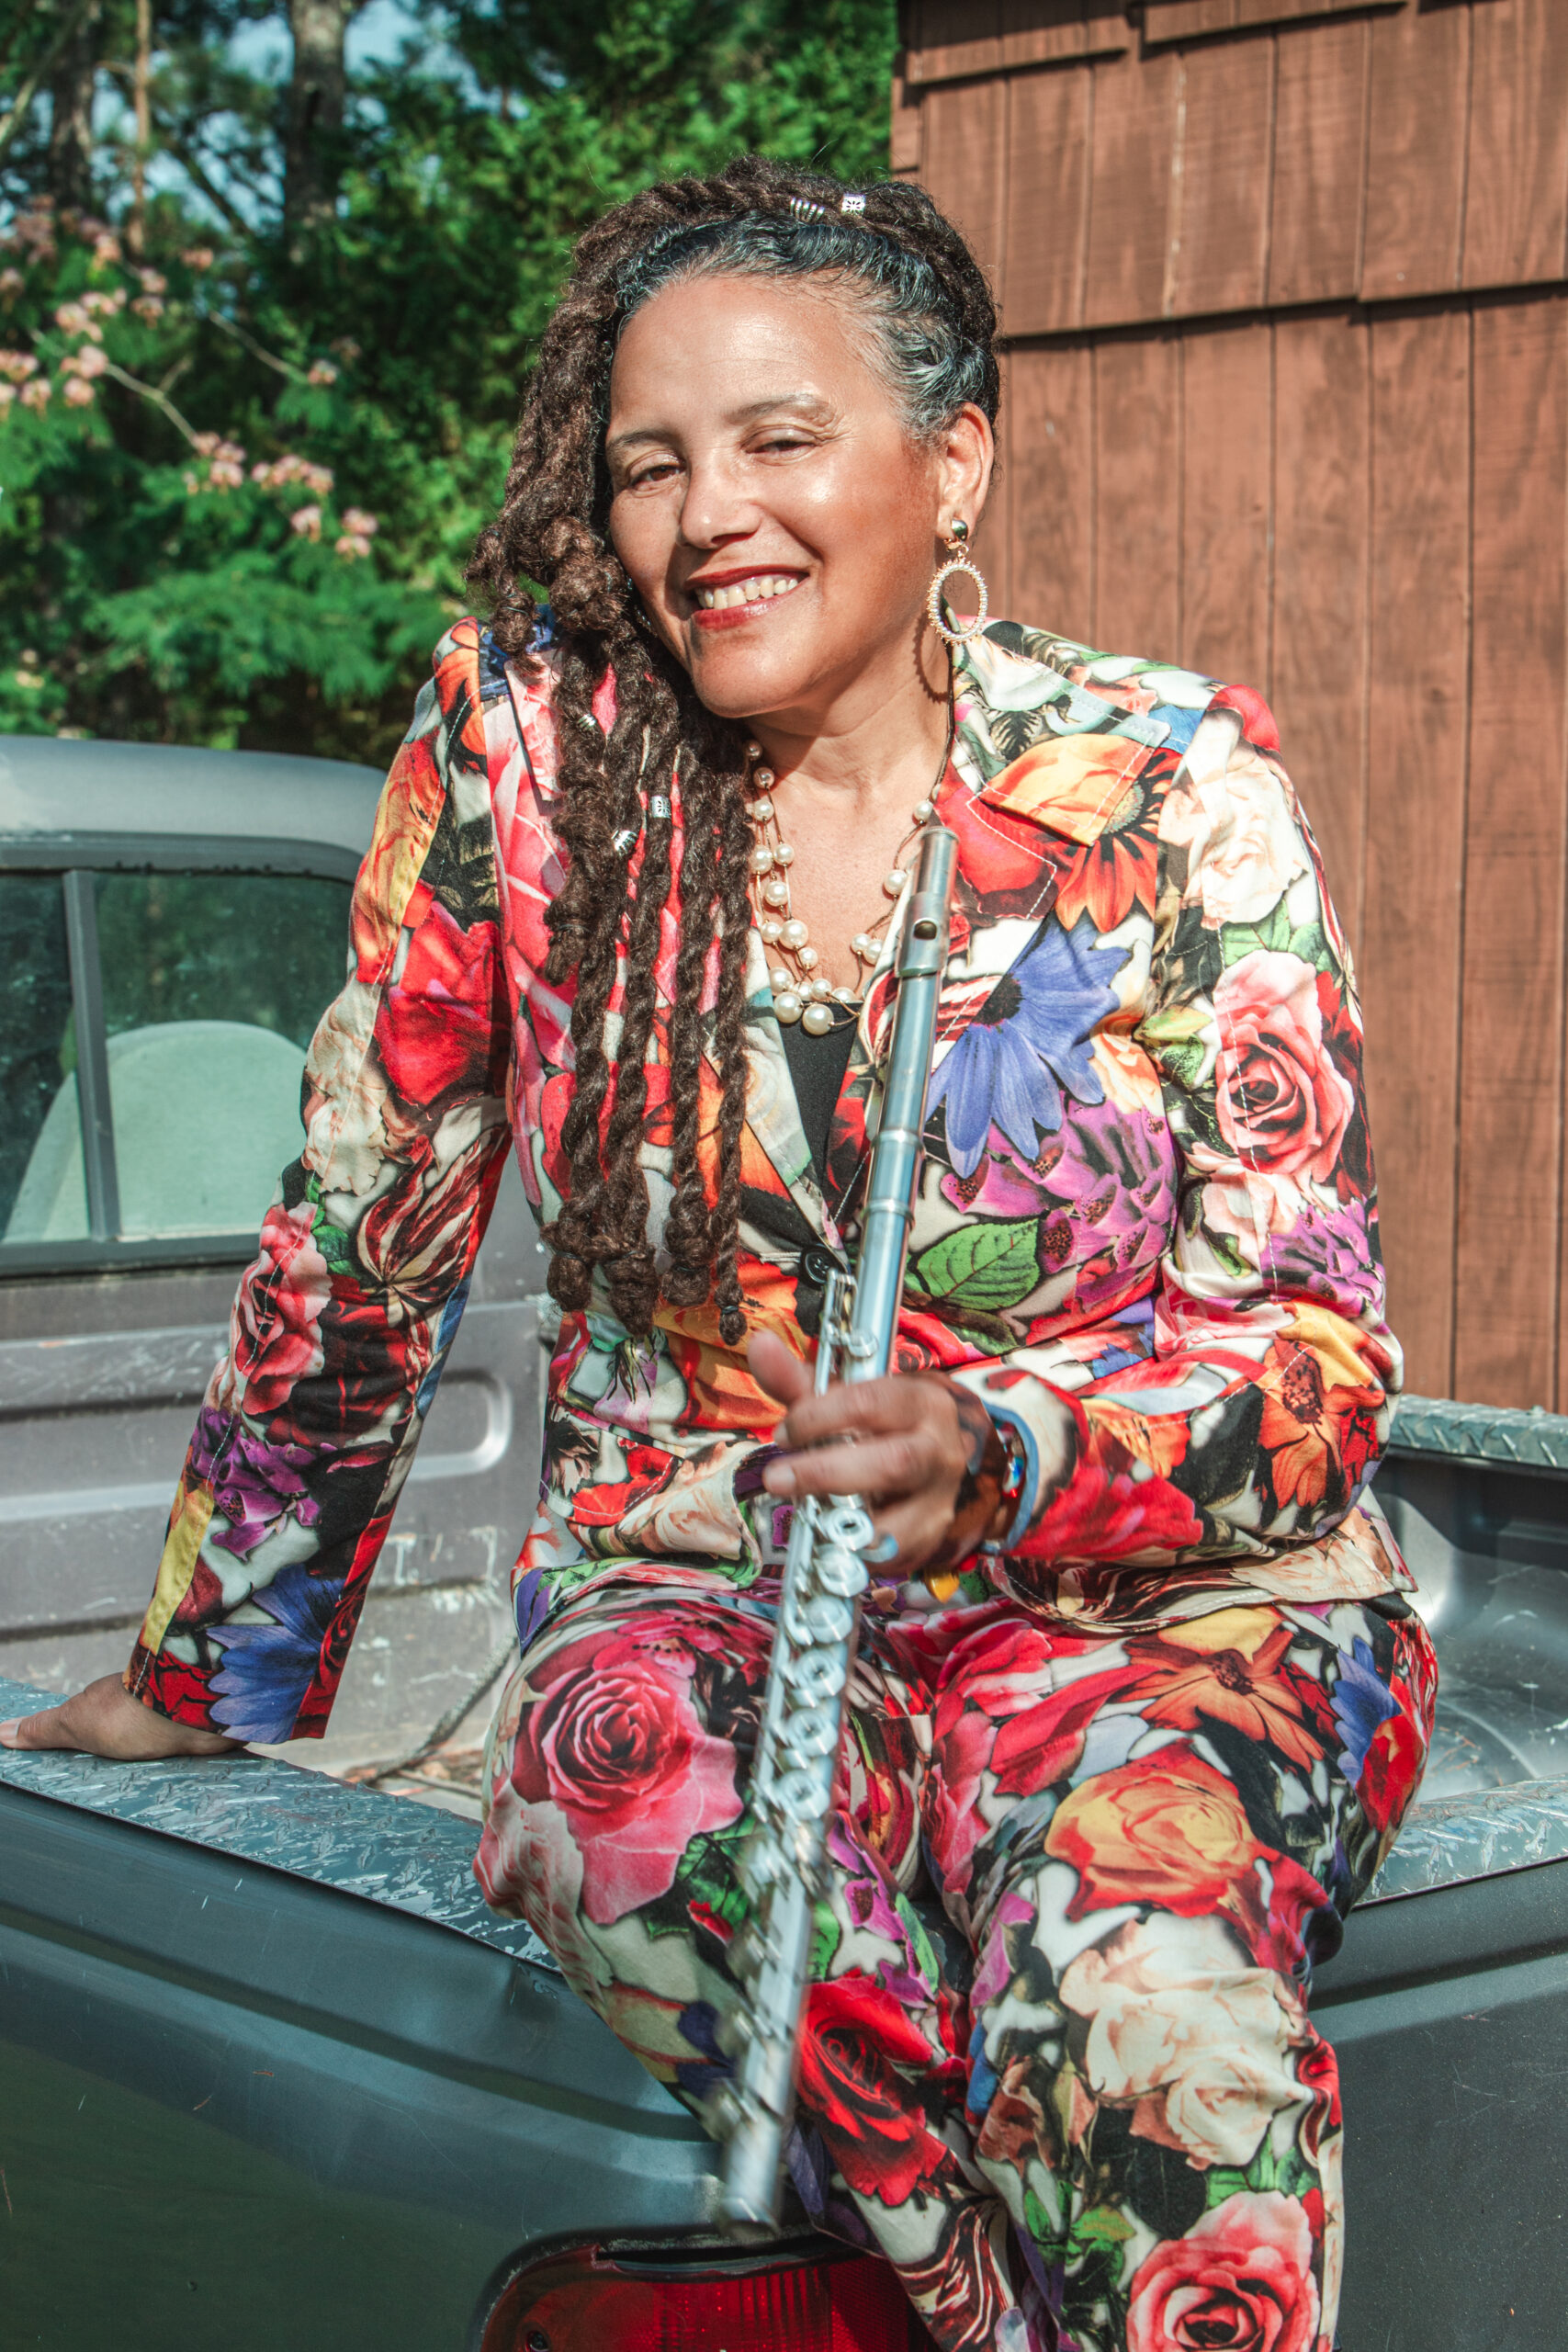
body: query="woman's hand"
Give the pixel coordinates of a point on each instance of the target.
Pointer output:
(105, 1720)
(924, 1456)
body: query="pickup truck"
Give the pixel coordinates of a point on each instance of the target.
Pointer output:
(270, 2072)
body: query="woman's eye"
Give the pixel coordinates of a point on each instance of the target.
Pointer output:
(663, 469)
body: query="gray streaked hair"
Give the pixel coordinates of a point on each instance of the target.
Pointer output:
(930, 361)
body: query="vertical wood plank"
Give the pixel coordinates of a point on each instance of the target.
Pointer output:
(1511, 1079)
(1189, 19)
(1185, 20)
(1416, 735)
(1050, 489)
(952, 37)
(904, 140)
(1319, 163)
(1516, 188)
(1137, 409)
(1134, 122)
(1226, 468)
(993, 542)
(1221, 215)
(966, 165)
(1047, 201)
(1281, 12)
(1037, 32)
(1318, 685)
(1420, 66)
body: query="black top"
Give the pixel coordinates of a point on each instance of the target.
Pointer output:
(817, 1067)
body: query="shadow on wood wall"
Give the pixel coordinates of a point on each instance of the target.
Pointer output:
(1286, 317)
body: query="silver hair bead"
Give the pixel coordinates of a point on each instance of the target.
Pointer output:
(625, 841)
(657, 805)
(804, 210)
(852, 203)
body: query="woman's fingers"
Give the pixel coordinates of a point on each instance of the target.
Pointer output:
(877, 1466)
(773, 1368)
(895, 1403)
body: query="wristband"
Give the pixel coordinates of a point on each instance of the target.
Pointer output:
(1013, 1503)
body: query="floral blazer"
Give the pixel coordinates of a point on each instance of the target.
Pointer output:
(1147, 1191)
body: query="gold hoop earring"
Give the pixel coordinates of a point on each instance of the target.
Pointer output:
(957, 541)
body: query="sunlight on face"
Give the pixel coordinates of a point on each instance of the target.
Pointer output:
(773, 513)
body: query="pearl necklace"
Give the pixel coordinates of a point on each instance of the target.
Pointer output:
(798, 994)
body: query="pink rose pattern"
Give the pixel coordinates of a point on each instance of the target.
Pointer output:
(276, 1323)
(1148, 1209)
(1052, 1983)
(1149, 1193)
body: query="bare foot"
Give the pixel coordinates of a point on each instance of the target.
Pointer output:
(105, 1720)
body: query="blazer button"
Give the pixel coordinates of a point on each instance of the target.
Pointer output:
(816, 1265)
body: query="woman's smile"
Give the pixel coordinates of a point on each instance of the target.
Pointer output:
(727, 599)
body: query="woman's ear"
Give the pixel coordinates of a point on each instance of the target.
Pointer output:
(965, 458)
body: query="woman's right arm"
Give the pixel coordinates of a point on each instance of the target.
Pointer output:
(342, 1323)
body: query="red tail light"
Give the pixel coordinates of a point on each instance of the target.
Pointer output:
(586, 2302)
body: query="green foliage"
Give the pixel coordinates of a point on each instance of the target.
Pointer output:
(241, 513)
(987, 1268)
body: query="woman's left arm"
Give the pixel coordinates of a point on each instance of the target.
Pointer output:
(1259, 1414)
(1257, 1420)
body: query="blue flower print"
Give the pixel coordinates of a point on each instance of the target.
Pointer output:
(1361, 1701)
(268, 1668)
(1029, 1042)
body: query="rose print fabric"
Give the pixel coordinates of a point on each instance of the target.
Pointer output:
(1057, 2064)
(1148, 1197)
(1145, 1763)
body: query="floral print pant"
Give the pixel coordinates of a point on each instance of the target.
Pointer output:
(1076, 2100)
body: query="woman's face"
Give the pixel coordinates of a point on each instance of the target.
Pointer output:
(774, 515)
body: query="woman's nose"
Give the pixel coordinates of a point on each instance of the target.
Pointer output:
(716, 510)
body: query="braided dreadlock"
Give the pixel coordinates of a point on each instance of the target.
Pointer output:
(933, 325)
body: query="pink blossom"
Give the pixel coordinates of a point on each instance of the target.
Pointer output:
(1241, 2281)
(616, 1741)
(199, 258)
(323, 372)
(1283, 1102)
(79, 393)
(36, 393)
(275, 1331)
(148, 307)
(306, 521)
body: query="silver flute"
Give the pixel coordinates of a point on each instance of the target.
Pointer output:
(782, 1864)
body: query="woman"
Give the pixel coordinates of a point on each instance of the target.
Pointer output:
(1151, 1715)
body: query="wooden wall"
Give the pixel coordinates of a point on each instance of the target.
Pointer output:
(1285, 288)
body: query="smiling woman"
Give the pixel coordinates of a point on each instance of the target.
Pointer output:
(629, 903)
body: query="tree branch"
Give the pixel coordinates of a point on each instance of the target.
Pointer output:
(25, 96)
(150, 392)
(215, 319)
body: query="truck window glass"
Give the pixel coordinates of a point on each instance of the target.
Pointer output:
(38, 1054)
(211, 988)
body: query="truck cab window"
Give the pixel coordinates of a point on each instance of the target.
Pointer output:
(207, 989)
(37, 1040)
